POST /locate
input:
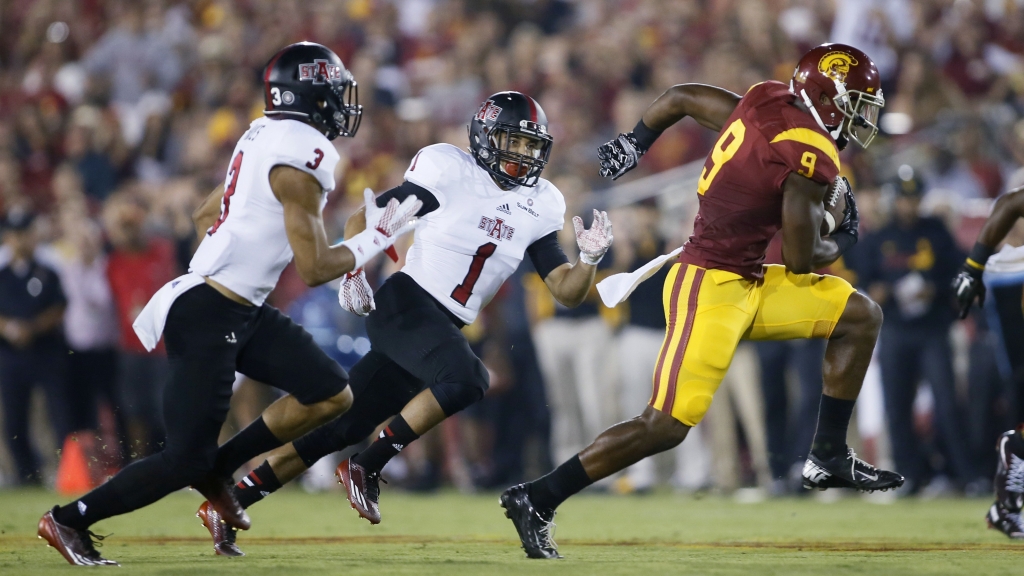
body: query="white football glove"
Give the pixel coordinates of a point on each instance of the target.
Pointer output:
(383, 226)
(355, 294)
(594, 242)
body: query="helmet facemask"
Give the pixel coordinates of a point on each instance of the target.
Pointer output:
(342, 112)
(515, 168)
(861, 111)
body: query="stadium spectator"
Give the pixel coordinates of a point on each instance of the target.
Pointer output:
(31, 344)
(90, 327)
(136, 268)
(907, 267)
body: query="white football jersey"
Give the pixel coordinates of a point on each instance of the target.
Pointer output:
(476, 239)
(247, 248)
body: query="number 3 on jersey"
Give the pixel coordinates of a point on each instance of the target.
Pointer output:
(728, 143)
(229, 191)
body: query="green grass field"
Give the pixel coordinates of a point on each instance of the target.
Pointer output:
(297, 533)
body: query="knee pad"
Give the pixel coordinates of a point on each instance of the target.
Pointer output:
(461, 386)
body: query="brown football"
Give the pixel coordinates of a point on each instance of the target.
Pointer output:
(835, 205)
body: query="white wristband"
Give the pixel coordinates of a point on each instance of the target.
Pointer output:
(365, 245)
(588, 259)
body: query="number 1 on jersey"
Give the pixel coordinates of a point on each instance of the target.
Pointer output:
(236, 167)
(463, 291)
(721, 153)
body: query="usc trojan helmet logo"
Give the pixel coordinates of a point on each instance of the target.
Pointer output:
(836, 65)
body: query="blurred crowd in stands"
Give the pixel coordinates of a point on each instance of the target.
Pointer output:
(117, 117)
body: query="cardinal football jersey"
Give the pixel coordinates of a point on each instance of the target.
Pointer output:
(740, 189)
(247, 247)
(477, 237)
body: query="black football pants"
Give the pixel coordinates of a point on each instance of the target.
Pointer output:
(208, 338)
(416, 343)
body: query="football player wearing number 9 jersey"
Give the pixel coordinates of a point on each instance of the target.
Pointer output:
(776, 156)
(484, 210)
(214, 320)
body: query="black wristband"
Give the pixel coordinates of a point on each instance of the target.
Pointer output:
(645, 136)
(979, 255)
(844, 239)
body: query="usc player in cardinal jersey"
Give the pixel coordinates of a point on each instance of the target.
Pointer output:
(776, 157)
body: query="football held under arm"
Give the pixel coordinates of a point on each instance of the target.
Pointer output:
(803, 248)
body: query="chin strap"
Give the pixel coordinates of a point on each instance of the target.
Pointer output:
(814, 111)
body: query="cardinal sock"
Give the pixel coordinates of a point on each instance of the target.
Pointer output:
(257, 485)
(833, 421)
(393, 438)
(548, 492)
(254, 440)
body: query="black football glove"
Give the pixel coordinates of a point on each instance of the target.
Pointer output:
(967, 286)
(620, 155)
(848, 232)
(851, 216)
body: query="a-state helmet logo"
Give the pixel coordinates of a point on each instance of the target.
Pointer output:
(496, 228)
(488, 111)
(318, 71)
(836, 65)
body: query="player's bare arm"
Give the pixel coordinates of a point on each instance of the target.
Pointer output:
(570, 283)
(710, 106)
(206, 214)
(316, 261)
(803, 249)
(968, 285)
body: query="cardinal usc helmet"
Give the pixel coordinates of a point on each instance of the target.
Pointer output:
(841, 88)
(308, 81)
(501, 118)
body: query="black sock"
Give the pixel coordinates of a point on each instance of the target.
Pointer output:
(1016, 442)
(254, 440)
(392, 439)
(257, 485)
(833, 422)
(548, 492)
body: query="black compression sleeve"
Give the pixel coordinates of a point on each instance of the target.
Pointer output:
(407, 189)
(546, 254)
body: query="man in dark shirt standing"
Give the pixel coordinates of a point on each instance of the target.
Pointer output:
(907, 267)
(31, 344)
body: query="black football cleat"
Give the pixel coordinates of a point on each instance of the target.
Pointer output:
(219, 492)
(1009, 481)
(77, 546)
(1009, 523)
(536, 529)
(363, 489)
(847, 471)
(223, 534)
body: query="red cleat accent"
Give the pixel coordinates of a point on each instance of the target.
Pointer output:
(362, 488)
(219, 492)
(223, 534)
(76, 546)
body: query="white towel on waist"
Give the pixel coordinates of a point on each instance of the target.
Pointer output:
(616, 288)
(149, 325)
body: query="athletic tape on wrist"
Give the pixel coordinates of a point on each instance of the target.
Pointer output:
(365, 245)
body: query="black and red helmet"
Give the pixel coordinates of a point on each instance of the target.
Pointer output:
(841, 87)
(501, 117)
(308, 81)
